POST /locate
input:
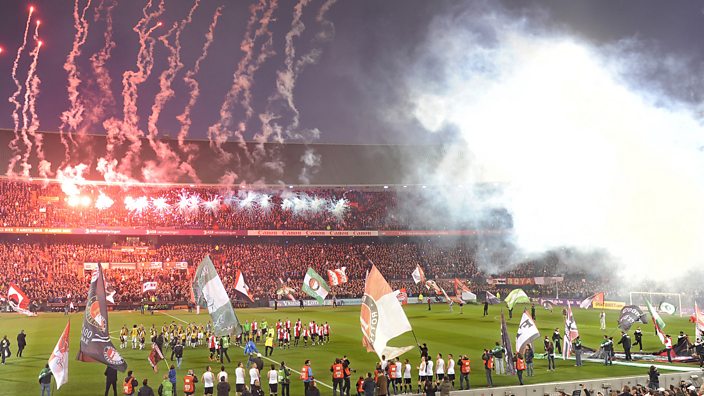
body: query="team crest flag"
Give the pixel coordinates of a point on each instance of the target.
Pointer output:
(418, 275)
(631, 314)
(315, 286)
(95, 343)
(242, 287)
(155, 356)
(491, 299)
(58, 361)
(147, 286)
(527, 332)
(381, 317)
(571, 333)
(337, 276)
(210, 293)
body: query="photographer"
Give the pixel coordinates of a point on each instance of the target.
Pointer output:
(653, 378)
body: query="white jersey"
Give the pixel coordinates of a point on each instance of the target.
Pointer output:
(273, 377)
(429, 368)
(253, 375)
(450, 366)
(440, 366)
(399, 367)
(222, 374)
(407, 371)
(208, 379)
(421, 369)
(239, 375)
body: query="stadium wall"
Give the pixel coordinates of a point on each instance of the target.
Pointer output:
(602, 385)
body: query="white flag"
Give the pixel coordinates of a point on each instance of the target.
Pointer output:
(418, 275)
(242, 287)
(382, 317)
(58, 361)
(527, 332)
(147, 286)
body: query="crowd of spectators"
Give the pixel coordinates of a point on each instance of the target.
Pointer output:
(35, 204)
(54, 272)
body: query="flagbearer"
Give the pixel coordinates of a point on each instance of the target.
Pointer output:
(578, 351)
(45, 380)
(626, 341)
(668, 347)
(639, 339)
(498, 353)
(699, 348)
(557, 340)
(605, 350)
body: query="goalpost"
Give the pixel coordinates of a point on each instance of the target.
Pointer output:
(673, 298)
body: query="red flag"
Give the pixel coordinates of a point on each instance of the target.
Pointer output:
(242, 287)
(58, 361)
(155, 356)
(18, 297)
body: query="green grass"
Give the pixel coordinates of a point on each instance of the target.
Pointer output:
(443, 331)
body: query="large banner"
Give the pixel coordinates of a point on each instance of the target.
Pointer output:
(96, 345)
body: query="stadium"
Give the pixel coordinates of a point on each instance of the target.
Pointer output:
(323, 197)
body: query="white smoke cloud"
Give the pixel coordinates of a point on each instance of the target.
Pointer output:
(590, 158)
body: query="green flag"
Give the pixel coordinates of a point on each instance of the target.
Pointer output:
(656, 316)
(516, 296)
(314, 285)
(210, 293)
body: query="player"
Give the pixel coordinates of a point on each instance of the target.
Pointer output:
(213, 345)
(134, 334)
(451, 369)
(407, 377)
(326, 332)
(305, 337)
(287, 339)
(296, 333)
(123, 337)
(440, 367)
(142, 337)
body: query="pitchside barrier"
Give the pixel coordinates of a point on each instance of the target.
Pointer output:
(346, 301)
(603, 385)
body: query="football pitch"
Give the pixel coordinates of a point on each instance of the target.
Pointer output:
(443, 331)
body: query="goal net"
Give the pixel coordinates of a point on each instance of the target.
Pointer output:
(667, 303)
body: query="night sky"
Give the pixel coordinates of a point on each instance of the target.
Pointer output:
(358, 92)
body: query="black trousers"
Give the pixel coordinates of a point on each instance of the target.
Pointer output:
(346, 386)
(639, 342)
(268, 351)
(20, 348)
(285, 391)
(108, 384)
(337, 384)
(627, 352)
